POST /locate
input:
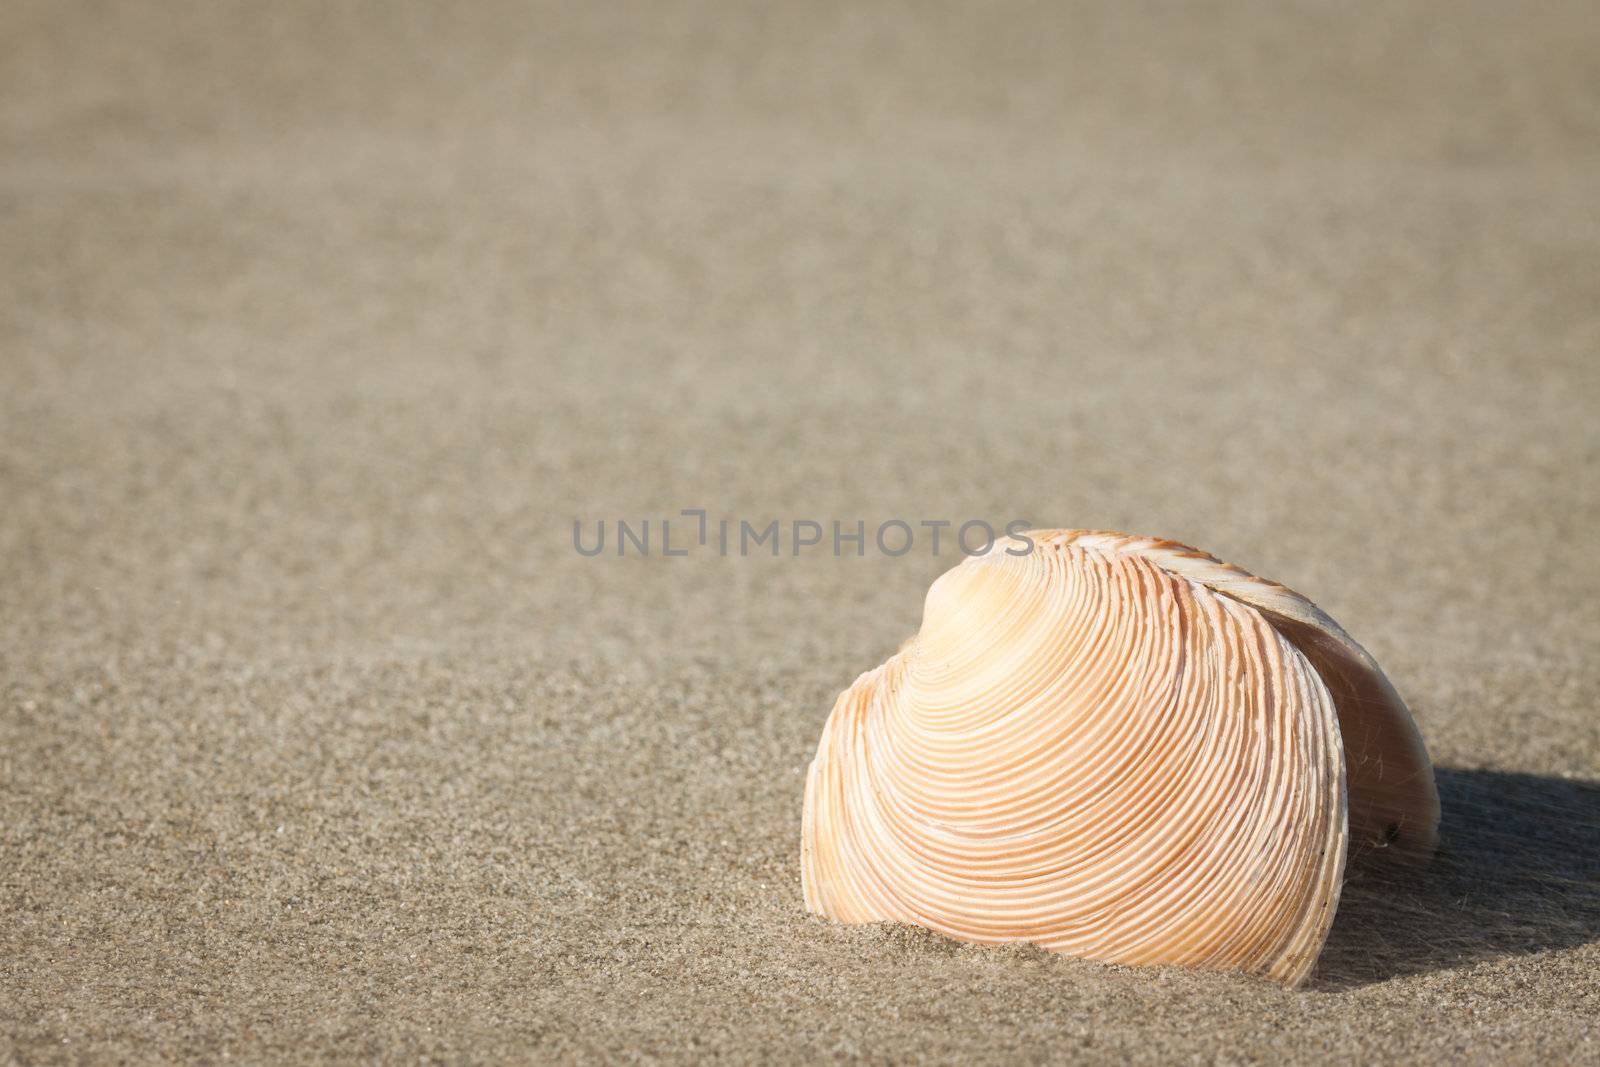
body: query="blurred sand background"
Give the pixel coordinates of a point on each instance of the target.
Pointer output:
(320, 323)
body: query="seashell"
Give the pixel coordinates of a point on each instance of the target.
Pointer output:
(1119, 748)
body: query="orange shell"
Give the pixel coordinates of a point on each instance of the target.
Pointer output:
(1119, 748)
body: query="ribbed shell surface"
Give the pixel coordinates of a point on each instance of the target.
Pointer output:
(1085, 750)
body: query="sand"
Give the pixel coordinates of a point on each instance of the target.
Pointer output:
(321, 324)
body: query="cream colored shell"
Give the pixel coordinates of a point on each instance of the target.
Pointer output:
(1119, 748)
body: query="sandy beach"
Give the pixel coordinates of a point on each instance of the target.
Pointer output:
(321, 325)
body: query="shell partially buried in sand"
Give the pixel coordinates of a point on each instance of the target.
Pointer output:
(1119, 748)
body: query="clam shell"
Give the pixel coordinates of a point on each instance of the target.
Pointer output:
(1120, 748)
